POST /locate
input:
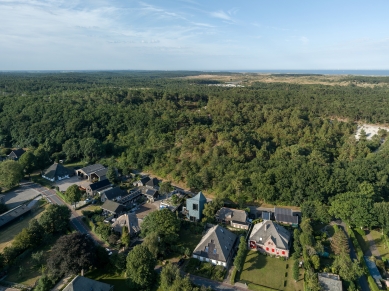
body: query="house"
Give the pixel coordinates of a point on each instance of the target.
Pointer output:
(132, 197)
(266, 215)
(141, 182)
(217, 246)
(113, 194)
(285, 215)
(80, 283)
(128, 220)
(151, 194)
(93, 188)
(195, 206)
(99, 175)
(87, 171)
(153, 184)
(270, 237)
(16, 154)
(234, 217)
(329, 282)
(112, 207)
(13, 214)
(57, 172)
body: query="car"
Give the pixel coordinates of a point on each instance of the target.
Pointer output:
(110, 253)
(107, 249)
(180, 262)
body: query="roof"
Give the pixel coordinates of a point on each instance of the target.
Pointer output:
(92, 168)
(57, 170)
(129, 220)
(99, 185)
(144, 180)
(153, 182)
(114, 193)
(285, 215)
(112, 206)
(101, 172)
(216, 244)
(231, 214)
(18, 152)
(85, 284)
(268, 229)
(329, 282)
(149, 192)
(13, 213)
(199, 197)
(265, 215)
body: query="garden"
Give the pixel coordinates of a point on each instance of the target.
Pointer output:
(205, 269)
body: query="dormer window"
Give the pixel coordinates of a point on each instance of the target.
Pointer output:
(214, 251)
(206, 249)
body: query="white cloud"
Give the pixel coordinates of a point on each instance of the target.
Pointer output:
(221, 14)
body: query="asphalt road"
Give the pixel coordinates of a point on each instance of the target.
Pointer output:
(52, 197)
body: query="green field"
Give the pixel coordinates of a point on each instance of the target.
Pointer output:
(8, 233)
(380, 243)
(260, 270)
(119, 281)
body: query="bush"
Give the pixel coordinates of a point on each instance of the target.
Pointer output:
(372, 284)
(218, 273)
(233, 274)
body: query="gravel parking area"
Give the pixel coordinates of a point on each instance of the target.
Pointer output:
(20, 195)
(65, 184)
(147, 208)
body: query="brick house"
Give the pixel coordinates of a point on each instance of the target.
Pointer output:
(270, 237)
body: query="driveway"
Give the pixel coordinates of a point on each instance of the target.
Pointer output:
(147, 208)
(20, 195)
(65, 184)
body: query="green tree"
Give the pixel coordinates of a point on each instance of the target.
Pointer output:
(152, 243)
(211, 208)
(112, 175)
(27, 160)
(339, 243)
(104, 230)
(349, 270)
(71, 254)
(164, 223)
(169, 274)
(165, 187)
(315, 261)
(55, 219)
(296, 270)
(126, 240)
(91, 148)
(42, 158)
(72, 149)
(37, 257)
(44, 284)
(11, 173)
(73, 194)
(140, 267)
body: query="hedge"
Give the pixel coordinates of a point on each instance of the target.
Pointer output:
(233, 274)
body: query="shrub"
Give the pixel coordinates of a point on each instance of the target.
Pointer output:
(233, 274)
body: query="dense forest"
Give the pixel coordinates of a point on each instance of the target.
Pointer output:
(278, 143)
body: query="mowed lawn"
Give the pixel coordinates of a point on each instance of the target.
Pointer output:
(119, 281)
(269, 272)
(8, 233)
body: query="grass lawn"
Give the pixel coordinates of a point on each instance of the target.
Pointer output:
(116, 280)
(44, 182)
(269, 272)
(90, 207)
(380, 243)
(8, 233)
(79, 164)
(205, 269)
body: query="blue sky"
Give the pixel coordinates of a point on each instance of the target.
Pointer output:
(193, 35)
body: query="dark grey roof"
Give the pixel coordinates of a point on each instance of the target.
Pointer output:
(153, 182)
(282, 211)
(101, 172)
(17, 153)
(99, 185)
(199, 197)
(114, 193)
(230, 214)
(85, 284)
(112, 206)
(329, 282)
(266, 215)
(57, 170)
(149, 192)
(13, 214)
(268, 229)
(144, 180)
(216, 244)
(92, 168)
(287, 218)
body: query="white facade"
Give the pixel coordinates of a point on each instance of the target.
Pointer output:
(213, 262)
(53, 179)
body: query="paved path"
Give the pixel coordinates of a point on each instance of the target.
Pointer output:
(75, 218)
(372, 251)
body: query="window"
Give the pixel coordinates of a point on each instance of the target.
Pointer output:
(283, 252)
(267, 249)
(214, 251)
(195, 207)
(272, 250)
(206, 249)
